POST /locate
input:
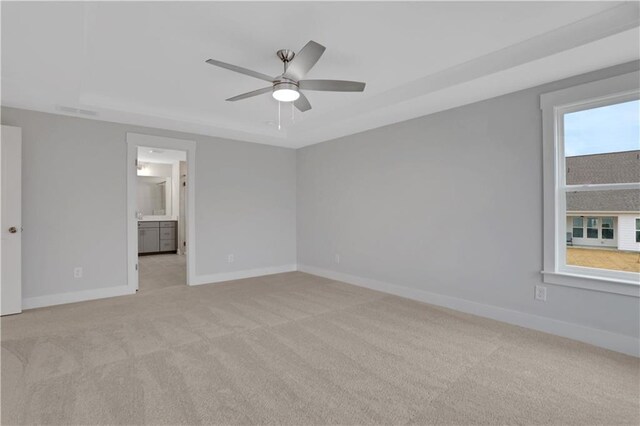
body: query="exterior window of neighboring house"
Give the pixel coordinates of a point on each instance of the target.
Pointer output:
(607, 228)
(592, 227)
(578, 227)
(592, 185)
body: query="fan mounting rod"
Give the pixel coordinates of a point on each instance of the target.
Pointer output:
(285, 56)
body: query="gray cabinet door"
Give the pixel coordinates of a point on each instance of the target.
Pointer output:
(140, 240)
(151, 240)
(156, 237)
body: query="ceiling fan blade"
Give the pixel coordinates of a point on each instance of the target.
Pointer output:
(332, 85)
(251, 94)
(240, 70)
(304, 60)
(302, 103)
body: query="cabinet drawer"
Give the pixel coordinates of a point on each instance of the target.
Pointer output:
(168, 224)
(167, 233)
(167, 245)
(148, 224)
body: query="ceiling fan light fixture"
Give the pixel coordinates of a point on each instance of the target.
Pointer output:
(286, 86)
(285, 92)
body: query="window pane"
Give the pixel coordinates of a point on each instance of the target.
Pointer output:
(577, 222)
(602, 144)
(611, 232)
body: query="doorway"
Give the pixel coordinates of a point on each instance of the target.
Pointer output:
(160, 192)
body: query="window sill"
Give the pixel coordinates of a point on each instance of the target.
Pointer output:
(587, 282)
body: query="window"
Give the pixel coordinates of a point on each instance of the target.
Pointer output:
(592, 227)
(607, 228)
(578, 225)
(592, 184)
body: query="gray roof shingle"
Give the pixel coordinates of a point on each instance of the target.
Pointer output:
(615, 167)
(619, 200)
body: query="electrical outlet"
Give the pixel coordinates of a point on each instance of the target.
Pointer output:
(77, 272)
(541, 293)
(230, 258)
(337, 258)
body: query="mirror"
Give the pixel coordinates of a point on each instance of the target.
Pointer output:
(154, 196)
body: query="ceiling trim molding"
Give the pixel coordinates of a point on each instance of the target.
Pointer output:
(543, 71)
(610, 22)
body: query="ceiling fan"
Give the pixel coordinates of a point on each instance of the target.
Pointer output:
(287, 86)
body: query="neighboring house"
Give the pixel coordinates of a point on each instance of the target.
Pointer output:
(604, 218)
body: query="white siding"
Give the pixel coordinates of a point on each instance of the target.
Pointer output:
(627, 232)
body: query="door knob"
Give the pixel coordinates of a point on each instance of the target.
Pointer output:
(13, 230)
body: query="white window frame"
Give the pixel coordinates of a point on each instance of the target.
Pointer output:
(554, 106)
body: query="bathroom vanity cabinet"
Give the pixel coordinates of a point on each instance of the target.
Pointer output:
(157, 237)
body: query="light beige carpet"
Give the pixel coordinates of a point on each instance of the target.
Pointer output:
(298, 349)
(158, 271)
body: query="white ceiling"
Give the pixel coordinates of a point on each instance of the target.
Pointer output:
(143, 63)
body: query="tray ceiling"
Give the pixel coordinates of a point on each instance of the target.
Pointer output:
(143, 62)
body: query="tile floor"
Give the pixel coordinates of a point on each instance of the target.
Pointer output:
(161, 270)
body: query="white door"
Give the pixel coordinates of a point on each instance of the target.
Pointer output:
(10, 221)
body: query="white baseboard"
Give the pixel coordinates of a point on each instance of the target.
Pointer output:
(75, 296)
(101, 293)
(605, 339)
(238, 275)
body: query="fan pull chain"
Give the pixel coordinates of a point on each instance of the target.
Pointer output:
(279, 114)
(293, 117)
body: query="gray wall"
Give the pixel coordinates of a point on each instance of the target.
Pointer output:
(450, 203)
(74, 202)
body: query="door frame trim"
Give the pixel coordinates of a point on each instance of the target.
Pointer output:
(134, 140)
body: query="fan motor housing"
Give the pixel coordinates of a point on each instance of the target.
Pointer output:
(285, 91)
(285, 85)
